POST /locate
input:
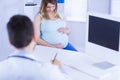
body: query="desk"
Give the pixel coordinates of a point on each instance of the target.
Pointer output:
(78, 60)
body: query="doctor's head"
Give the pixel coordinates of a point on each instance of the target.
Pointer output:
(20, 31)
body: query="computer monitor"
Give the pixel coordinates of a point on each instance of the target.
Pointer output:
(102, 37)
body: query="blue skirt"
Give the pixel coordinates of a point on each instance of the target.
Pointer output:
(70, 47)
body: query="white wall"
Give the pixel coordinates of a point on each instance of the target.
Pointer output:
(115, 8)
(77, 35)
(75, 9)
(7, 9)
(102, 6)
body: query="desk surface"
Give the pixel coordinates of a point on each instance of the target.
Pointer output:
(79, 65)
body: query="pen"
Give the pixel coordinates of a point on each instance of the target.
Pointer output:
(55, 57)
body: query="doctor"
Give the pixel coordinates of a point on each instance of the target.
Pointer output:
(22, 65)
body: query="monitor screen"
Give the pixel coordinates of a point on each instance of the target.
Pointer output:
(104, 32)
(103, 37)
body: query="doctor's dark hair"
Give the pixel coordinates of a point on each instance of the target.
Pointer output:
(20, 31)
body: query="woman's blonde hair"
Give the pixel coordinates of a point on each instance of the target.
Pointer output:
(43, 6)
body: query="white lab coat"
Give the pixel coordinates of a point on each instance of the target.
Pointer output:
(16, 68)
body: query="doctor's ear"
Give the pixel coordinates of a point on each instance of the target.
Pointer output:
(35, 37)
(10, 42)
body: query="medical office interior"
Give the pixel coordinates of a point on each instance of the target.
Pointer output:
(76, 13)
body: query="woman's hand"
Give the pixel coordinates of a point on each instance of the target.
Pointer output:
(64, 30)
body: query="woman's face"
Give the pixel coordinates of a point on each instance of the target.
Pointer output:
(50, 8)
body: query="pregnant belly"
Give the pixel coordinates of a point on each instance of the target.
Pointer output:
(56, 38)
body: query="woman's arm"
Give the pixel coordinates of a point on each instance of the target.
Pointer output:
(37, 23)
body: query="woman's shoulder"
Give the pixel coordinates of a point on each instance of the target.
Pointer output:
(38, 16)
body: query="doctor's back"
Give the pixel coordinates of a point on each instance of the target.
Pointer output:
(22, 69)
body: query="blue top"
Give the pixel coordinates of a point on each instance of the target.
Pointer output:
(49, 32)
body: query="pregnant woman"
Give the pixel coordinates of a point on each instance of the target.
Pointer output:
(50, 28)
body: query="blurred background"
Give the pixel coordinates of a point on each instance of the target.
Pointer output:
(75, 12)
